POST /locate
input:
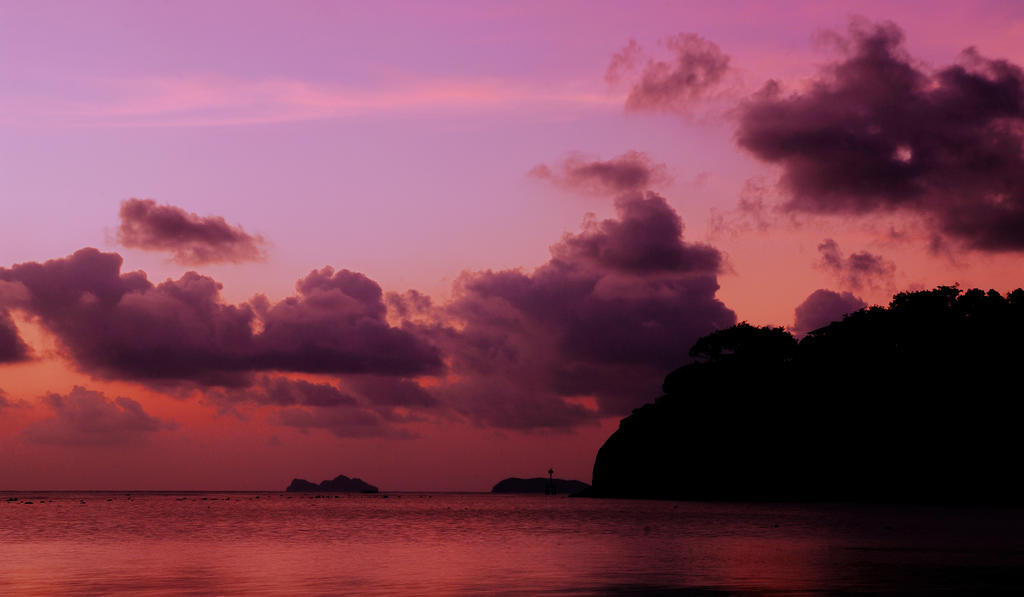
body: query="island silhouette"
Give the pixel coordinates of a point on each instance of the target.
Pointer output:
(918, 402)
(339, 484)
(545, 485)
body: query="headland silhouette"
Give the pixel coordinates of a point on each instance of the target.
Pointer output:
(918, 402)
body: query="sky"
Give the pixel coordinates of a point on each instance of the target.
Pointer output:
(434, 245)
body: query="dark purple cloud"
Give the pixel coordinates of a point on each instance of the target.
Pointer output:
(631, 171)
(193, 240)
(876, 132)
(119, 325)
(616, 306)
(84, 417)
(858, 270)
(337, 324)
(695, 67)
(646, 237)
(12, 348)
(822, 307)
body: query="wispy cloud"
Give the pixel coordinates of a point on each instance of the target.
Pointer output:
(224, 101)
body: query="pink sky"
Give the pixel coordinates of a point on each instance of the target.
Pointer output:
(396, 140)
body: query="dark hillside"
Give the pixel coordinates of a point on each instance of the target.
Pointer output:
(915, 402)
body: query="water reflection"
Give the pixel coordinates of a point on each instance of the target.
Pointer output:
(249, 544)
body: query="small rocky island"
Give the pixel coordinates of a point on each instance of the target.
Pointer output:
(339, 484)
(539, 485)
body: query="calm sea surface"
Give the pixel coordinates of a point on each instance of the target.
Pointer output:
(472, 544)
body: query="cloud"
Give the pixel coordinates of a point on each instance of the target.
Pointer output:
(858, 270)
(12, 348)
(877, 133)
(337, 324)
(193, 240)
(388, 392)
(751, 214)
(496, 403)
(313, 405)
(631, 171)
(646, 237)
(616, 306)
(377, 392)
(695, 67)
(822, 307)
(590, 333)
(120, 325)
(179, 100)
(84, 417)
(282, 391)
(342, 422)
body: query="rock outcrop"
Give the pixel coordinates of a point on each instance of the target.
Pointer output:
(303, 485)
(339, 484)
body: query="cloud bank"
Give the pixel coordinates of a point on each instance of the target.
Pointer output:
(120, 325)
(83, 417)
(617, 305)
(309, 405)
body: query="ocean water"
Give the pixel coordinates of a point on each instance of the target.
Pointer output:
(480, 544)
